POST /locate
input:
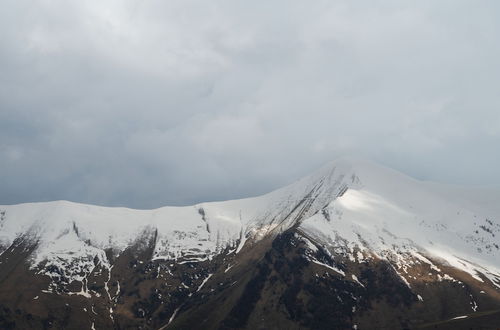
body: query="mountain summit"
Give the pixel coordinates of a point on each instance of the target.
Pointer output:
(352, 245)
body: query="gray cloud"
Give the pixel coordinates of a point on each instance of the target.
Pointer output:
(147, 103)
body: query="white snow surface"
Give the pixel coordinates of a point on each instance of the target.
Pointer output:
(394, 216)
(354, 205)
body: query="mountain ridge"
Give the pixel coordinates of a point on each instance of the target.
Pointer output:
(354, 220)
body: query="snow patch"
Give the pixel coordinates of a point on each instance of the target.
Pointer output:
(203, 283)
(329, 267)
(459, 317)
(355, 278)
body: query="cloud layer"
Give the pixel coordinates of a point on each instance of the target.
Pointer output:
(148, 103)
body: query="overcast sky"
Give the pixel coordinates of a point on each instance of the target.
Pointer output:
(151, 103)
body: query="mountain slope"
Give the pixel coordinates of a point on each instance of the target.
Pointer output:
(349, 245)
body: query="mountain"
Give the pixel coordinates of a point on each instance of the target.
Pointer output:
(354, 245)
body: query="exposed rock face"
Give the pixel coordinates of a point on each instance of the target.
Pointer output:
(353, 245)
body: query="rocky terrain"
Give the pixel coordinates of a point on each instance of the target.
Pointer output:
(352, 246)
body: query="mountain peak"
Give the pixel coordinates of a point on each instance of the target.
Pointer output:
(347, 227)
(350, 172)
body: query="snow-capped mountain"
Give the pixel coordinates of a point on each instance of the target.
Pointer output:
(378, 241)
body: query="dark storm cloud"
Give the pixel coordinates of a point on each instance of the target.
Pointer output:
(146, 103)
